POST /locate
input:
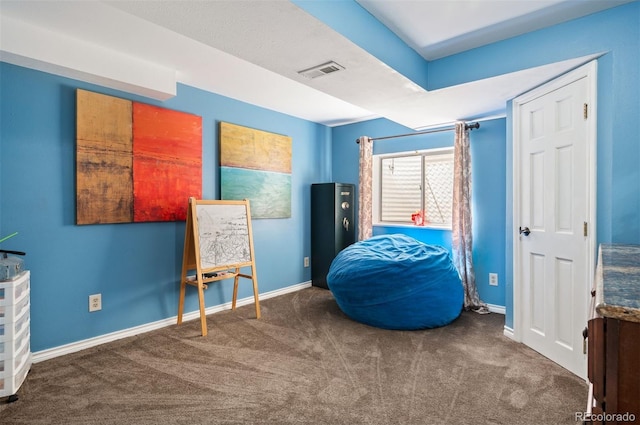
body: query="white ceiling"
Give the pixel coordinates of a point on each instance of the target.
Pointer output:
(252, 51)
(439, 28)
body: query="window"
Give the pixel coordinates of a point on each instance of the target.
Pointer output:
(411, 182)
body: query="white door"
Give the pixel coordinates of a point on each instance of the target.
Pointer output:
(554, 198)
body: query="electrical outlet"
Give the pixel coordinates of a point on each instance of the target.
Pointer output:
(306, 261)
(493, 279)
(95, 302)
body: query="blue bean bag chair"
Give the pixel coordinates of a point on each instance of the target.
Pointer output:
(396, 282)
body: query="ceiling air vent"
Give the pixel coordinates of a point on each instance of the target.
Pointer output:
(320, 70)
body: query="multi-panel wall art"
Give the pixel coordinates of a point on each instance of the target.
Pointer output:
(256, 165)
(134, 162)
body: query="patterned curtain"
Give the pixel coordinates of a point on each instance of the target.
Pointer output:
(365, 214)
(461, 221)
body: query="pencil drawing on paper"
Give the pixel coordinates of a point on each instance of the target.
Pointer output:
(223, 235)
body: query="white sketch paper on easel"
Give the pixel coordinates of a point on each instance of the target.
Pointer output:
(223, 235)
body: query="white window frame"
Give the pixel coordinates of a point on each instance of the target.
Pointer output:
(377, 186)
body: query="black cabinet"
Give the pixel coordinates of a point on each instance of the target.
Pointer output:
(332, 226)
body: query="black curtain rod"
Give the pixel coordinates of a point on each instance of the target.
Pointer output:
(471, 126)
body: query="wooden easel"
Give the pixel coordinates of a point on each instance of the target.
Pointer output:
(220, 223)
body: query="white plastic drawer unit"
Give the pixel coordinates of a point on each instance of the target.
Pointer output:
(16, 310)
(15, 334)
(11, 361)
(9, 347)
(10, 330)
(11, 291)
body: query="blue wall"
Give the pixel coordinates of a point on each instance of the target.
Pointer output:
(616, 34)
(488, 151)
(135, 267)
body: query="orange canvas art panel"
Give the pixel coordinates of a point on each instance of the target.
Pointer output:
(135, 162)
(167, 162)
(104, 178)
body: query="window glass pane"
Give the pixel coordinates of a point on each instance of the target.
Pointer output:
(438, 189)
(400, 188)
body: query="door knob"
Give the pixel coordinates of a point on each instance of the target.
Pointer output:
(525, 231)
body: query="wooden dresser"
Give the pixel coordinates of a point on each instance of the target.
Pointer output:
(614, 337)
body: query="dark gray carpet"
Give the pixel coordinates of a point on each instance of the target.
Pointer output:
(304, 362)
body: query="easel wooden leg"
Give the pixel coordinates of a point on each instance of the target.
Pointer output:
(254, 279)
(235, 289)
(203, 316)
(181, 302)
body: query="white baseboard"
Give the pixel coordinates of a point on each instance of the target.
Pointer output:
(51, 353)
(500, 309)
(508, 332)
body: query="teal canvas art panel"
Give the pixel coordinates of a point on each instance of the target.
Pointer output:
(256, 165)
(269, 192)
